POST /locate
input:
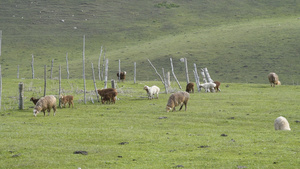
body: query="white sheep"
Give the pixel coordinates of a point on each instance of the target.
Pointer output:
(281, 123)
(151, 91)
(209, 87)
(45, 103)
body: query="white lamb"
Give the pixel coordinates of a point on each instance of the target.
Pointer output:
(209, 87)
(151, 91)
(281, 123)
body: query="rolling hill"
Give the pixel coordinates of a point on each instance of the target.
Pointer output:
(237, 40)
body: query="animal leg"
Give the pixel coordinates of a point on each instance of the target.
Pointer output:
(181, 107)
(54, 110)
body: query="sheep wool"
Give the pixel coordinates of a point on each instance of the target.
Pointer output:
(176, 99)
(45, 103)
(281, 123)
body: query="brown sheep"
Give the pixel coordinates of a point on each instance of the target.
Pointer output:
(217, 88)
(190, 87)
(176, 99)
(34, 100)
(122, 75)
(273, 79)
(109, 97)
(66, 99)
(103, 92)
(45, 103)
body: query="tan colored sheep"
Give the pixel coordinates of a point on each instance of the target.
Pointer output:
(273, 79)
(45, 103)
(177, 99)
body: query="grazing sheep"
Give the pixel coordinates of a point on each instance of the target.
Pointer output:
(217, 88)
(281, 123)
(103, 92)
(190, 87)
(209, 87)
(109, 97)
(122, 75)
(151, 91)
(34, 100)
(177, 99)
(66, 99)
(273, 79)
(45, 103)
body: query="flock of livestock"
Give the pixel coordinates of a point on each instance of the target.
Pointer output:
(176, 99)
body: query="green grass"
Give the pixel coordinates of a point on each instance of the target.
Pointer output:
(244, 112)
(238, 41)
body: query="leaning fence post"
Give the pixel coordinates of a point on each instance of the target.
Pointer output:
(174, 74)
(208, 76)
(21, 96)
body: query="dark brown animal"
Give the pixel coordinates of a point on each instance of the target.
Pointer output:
(66, 99)
(34, 100)
(103, 93)
(109, 97)
(217, 88)
(122, 75)
(190, 87)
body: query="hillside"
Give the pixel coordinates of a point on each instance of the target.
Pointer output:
(238, 40)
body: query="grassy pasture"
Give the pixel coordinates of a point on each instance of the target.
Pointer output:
(151, 137)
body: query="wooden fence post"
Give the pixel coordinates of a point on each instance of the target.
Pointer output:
(99, 67)
(0, 87)
(197, 77)
(67, 62)
(103, 66)
(45, 79)
(207, 75)
(106, 74)
(0, 40)
(168, 79)
(59, 90)
(166, 85)
(21, 96)
(32, 68)
(156, 72)
(83, 62)
(18, 73)
(174, 74)
(119, 78)
(51, 68)
(113, 83)
(203, 76)
(186, 71)
(95, 86)
(134, 76)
